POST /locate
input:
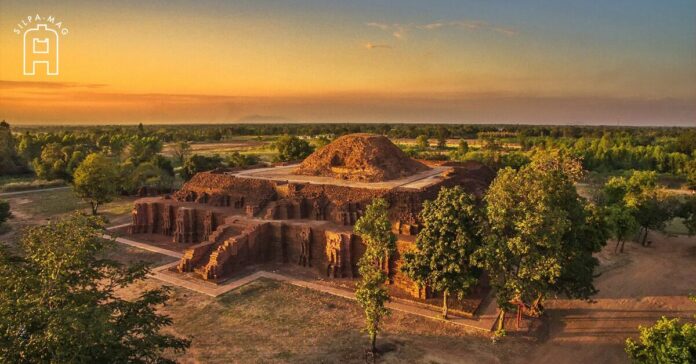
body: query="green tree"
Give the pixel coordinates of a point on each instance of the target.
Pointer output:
(622, 224)
(422, 142)
(29, 146)
(668, 341)
(441, 142)
(691, 174)
(199, 163)
(96, 180)
(536, 225)
(687, 211)
(292, 148)
(150, 176)
(163, 163)
(442, 135)
(639, 193)
(236, 159)
(58, 301)
(142, 149)
(10, 162)
(451, 226)
(463, 147)
(180, 151)
(75, 159)
(587, 235)
(374, 229)
(491, 144)
(51, 164)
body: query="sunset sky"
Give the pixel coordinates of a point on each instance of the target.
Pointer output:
(546, 62)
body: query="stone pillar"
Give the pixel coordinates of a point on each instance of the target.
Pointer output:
(305, 236)
(338, 255)
(152, 218)
(208, 225)
(167, 219)
(139, 218)
(185, 231)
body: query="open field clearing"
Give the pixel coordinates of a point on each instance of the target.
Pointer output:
(38, 207)
(453, 143)
(223, 147)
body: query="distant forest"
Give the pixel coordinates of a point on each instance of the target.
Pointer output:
(53, 152)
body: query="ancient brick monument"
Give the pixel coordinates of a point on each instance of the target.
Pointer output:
(302, 214)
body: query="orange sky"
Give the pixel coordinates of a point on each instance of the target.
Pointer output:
(307, 61)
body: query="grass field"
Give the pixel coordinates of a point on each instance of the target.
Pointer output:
(36, 207)
(273, 322)
(252, 145)
(14, 179)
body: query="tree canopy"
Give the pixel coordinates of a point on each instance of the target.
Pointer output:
(640, 194)
(58, 301)
(96, 180)
(374, 229)
(450, 234)
(199, 163)
(292, 148)
(540, 234)
(10, 161)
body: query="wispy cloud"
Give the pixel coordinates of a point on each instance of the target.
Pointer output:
(379, 25)
(400, 31)
(370, 45)
(397, 30)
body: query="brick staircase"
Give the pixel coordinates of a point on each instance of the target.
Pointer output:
(228, 252)
(198, 255)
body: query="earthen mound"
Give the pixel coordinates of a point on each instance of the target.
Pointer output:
(360, 157)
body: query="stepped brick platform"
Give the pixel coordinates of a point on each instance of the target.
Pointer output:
(303, 214)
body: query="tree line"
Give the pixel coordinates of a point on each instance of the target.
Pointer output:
(55, 152)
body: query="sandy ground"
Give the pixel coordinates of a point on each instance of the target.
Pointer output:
(636, 288)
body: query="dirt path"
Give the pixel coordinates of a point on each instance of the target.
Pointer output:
(6, 194)
(638, 288)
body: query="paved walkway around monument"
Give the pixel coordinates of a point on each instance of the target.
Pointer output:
(484, 322)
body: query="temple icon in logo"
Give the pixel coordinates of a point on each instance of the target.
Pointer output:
(40, 47)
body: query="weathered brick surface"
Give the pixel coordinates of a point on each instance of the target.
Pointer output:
(232, 221)
(360, 157)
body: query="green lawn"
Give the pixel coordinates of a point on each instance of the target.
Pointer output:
(48, 204)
